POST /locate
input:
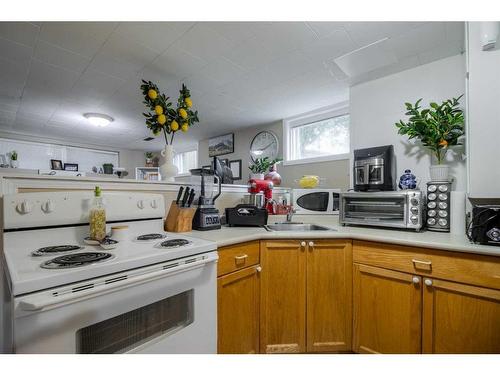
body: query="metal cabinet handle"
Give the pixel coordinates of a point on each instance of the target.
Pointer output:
(428, 282)
(240, 257)
(258, 269)
(415, 280)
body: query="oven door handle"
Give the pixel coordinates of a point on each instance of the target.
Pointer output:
(38, 303)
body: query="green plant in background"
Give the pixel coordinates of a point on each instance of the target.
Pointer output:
(262, 165)
(108, 168)
(149, 155)
(13, 155)
(437, 127)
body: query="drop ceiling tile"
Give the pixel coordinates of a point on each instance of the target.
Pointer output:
(221, 71)
(324, 29)
(333, 45)
(237, 32)
(84, 38)
(43, 76)
(364, 33)
(156, 35)
(93, 87)
(51, 54)
(177, 62)
(12, 78)
(15, 52)
(250, 54)
(204, 42)
(20, 32)
(419, 39)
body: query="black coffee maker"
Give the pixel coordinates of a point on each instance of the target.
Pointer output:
(374, 169)
(207, 216)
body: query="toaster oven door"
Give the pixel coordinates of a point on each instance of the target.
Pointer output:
(374, 209)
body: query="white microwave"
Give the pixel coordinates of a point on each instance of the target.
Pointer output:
(316, 201)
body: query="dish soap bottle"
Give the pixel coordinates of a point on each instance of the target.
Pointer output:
(97, 217)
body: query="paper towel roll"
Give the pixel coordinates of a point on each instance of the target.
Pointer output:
(457, 212)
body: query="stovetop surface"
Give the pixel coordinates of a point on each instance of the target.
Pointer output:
(27, 275)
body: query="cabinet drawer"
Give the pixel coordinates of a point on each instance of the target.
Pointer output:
(235, 257)
(467, 268)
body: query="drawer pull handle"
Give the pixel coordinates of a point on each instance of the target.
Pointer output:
(303, 244)
(258, 269)
(240, 258)
(428, 282)
(422, 262)
(415, 280)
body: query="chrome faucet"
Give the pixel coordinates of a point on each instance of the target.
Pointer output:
(289, 215)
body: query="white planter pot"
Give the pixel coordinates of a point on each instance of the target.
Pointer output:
(440, 172)
(168, 170)
(256, 176)
(14, 163)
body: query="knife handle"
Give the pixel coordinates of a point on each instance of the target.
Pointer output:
(186, 196)
(191, 198)
(179, 195)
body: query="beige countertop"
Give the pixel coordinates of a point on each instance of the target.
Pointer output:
(427, 239)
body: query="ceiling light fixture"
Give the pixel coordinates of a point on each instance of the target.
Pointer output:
(98, 119)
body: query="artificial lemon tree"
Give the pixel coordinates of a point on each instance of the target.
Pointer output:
(163, 117)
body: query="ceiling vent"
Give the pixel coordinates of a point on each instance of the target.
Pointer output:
(365, 59)
(147, 139)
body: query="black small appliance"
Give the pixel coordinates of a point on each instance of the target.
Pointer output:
(484, 227)
(374, 169)
(207, 216)
(246, 215)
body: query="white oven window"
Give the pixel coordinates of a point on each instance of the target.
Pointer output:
(134, 328)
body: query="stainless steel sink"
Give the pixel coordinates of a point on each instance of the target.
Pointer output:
(299, 227)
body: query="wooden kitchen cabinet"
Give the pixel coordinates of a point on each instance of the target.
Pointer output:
(283, 298)
(460, 318)
(329, 296)
(411, 300)
(387, 311)
(306, 296)
(238, 299)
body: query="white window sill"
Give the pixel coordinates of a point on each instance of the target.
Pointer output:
(317, 160)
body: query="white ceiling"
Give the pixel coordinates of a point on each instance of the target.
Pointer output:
(240, 73)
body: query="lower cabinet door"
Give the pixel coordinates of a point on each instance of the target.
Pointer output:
(460, 318)
(387, 311)
(238, 312)
(329, 296)
(283, 297)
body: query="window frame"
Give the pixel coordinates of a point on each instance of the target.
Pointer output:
(320, 114)
(183, 152)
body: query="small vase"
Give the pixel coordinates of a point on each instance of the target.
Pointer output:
(167, 169)
(440, 172)
(256, 176)
(14, 163)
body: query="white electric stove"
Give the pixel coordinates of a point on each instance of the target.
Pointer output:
(155, 292)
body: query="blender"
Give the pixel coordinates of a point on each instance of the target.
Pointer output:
(207, 216)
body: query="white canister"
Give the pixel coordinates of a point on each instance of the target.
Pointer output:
(119, 232)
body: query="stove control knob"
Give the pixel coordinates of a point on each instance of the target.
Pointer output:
(24, 207)
(154, 203)
(140, 204)
(48, 206)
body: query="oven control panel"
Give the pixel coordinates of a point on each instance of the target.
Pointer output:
(438, 206)
(31, 210)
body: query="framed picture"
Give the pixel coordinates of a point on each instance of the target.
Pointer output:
(56, 165)
(235, 166)
(71, 167)
(221, 145)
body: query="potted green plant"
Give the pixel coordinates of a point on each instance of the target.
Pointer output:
(107, 168)
(14, 163)
(260, 166)
(149, 159)
(438, 128)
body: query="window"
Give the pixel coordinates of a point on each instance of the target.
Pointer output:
(186, 161)
(317, 136)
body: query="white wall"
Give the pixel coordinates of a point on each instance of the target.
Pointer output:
(483, 117)
(377, 105)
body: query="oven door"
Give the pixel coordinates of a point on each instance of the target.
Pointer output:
(166, 308)
(375, 209)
